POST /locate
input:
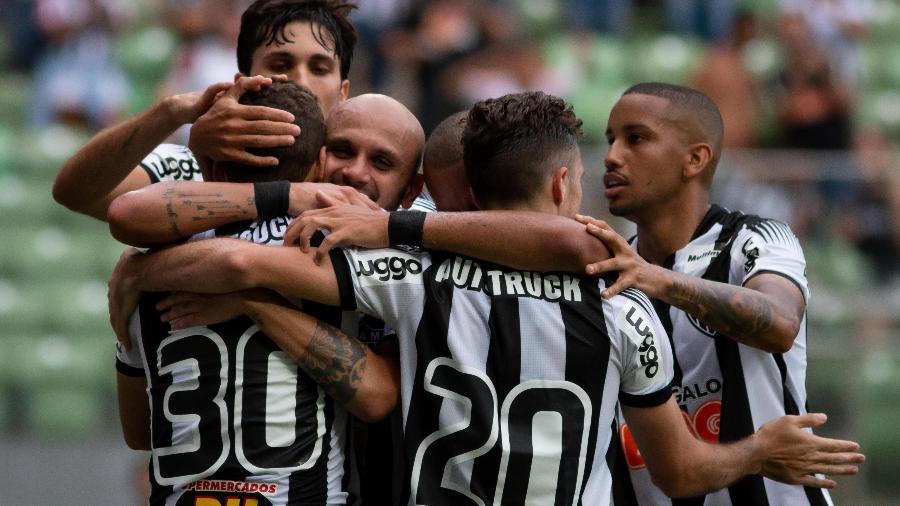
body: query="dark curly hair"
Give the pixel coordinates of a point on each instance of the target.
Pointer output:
(294, 160)
(512, 143)
(263, 24)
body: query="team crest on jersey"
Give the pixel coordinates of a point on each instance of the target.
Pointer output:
(700, 326)
(751, 252)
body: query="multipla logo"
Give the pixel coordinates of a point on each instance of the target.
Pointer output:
(388, 268)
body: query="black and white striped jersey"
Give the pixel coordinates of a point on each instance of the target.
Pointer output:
(171, 162)
(233, 417)
(728, 390)
(509, 379)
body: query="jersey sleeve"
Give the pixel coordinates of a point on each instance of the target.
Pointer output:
(646, 356)
(171, 162)
(423, 203)
(130, 362)
(384, 283)
(768, 247)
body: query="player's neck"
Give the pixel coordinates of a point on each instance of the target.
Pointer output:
(669, 229)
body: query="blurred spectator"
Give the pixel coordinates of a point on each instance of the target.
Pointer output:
(814, 105)
(439, 33)
(724, 77)
(511, 67)
(838, 26)
(707, 19)
(24, 36)
(373, 18)
(76, 78)
(208, 32)
(870, 219)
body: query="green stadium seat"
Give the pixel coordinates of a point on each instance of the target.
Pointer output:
(145, 53)
(668, 58)
(763, 57)
(881, 108)
(46, 150)
(593, 104)
(63, 412)
(14, 97)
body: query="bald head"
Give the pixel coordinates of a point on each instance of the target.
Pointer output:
(374, 143)
(442, 165)
(693, 114)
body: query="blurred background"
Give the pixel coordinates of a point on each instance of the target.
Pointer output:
(809, 90)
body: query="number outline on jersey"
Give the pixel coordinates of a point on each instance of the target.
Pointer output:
(238, 414)
(504, 424)
(193, 419)
(451, 429)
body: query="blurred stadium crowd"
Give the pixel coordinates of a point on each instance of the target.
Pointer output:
(809, 90)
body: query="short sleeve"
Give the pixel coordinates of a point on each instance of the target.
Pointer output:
(130, 362)
(647, 363)
(423, 203)
(171, 162)
(768, 247)
(384, 283)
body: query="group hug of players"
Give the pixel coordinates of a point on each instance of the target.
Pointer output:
(310, 325)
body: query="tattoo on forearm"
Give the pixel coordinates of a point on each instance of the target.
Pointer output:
(732, 312)
(335, 361)
(203, 207)
(171, 215)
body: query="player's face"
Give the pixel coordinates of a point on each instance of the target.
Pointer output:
(643, 163)
(305, 62)
(372, 153)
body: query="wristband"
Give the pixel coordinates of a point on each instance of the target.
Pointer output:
(272, 198)
(405, 228)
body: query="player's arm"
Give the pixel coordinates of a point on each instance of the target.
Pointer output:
(765, 313)
(134, 410)
(362, 380)
(107, 166)
(216, 266)
(518, 239)
(167, 212)
(683, 466)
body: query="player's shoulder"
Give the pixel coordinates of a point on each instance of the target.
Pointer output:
(172, 162)
(634, 314)
(767, 231)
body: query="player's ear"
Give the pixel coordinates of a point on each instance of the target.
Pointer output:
(559, 185)
(697, 159)
(413, 190)
(345, 89)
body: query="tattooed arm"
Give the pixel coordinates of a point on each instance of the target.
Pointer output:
(364, 382)
(765, 313)
(107, 165)
(167, 212)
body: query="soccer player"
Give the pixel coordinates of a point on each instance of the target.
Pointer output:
(232, 416)
(730, 288)
(309, 42)
(509, 378)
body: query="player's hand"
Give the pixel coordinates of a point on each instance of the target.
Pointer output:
(187, 107)
(795, 455)
(228, 128)
(633, 270)
(122, 298)
(188, 309)
(348, 224)
(306, 196)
